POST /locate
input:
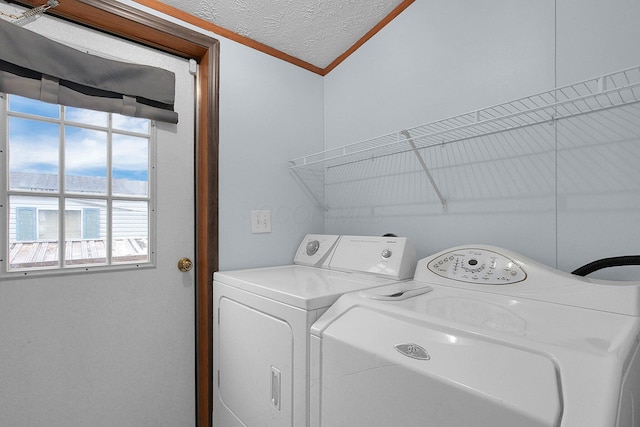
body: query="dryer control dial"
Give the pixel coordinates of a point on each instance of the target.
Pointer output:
(480, 266)
(312, 247)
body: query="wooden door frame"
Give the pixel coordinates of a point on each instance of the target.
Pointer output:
(134, 24)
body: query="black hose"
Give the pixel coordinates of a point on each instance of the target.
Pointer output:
(617, 261)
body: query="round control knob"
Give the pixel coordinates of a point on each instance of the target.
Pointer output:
(312, 247)
(386, 253)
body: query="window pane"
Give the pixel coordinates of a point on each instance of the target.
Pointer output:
(33, 232)
(33, 155)
(85, 161)
(85, 232)
(130, 124)
(130, 231)
(130, 165)
(73, 225)
(20, 104)
(87, 117)
(47, 224)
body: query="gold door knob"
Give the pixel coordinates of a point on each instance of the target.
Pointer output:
(185, 265)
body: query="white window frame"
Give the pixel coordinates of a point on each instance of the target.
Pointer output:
(61, 195)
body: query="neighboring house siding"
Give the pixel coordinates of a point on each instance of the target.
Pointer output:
(22, 206)
(130, 218)
(34, 218)
(130, 221)
(126, 222)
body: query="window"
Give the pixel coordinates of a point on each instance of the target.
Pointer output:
(96, 167)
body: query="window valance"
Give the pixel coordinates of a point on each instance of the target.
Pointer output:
(34, 66)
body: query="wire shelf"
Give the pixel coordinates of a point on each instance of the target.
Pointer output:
(596, 94)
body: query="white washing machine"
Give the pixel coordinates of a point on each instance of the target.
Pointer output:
(481, 337)
(262, 318)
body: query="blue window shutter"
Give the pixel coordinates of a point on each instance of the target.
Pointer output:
(91, 223)
(26, 224)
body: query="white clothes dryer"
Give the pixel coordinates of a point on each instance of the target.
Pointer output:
(481, 337)
(262, 318)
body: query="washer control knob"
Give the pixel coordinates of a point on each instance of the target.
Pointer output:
(386, 253)
(312, 247)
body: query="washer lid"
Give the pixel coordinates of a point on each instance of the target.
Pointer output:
(383, 370)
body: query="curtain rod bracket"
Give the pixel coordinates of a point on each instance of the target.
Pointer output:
(31, 13)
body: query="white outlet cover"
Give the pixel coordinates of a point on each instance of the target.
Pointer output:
(260, 221)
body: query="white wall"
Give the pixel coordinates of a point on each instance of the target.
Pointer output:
(598, 157)
(270, 111)
(437, 59)
(441, 58)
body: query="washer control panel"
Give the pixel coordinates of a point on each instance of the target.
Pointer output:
(479, 266)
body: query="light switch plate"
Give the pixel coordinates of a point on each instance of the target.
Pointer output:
(261, 221)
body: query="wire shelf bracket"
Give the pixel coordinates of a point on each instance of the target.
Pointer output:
(407, 135)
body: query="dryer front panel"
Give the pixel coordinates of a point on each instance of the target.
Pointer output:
(255, 368)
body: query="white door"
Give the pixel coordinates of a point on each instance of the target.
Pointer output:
(111, 348)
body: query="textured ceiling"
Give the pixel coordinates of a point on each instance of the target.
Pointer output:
(314, 31)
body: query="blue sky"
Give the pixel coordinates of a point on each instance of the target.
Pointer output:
(34, 144)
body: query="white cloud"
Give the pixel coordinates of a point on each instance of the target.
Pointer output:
(86, 151)
(130, 153)
(89, 117)
(131, 124)
(28, 155)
